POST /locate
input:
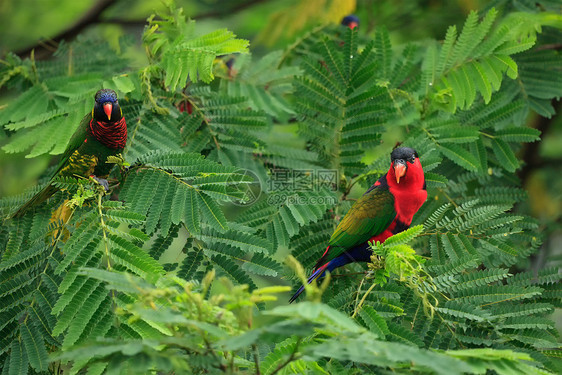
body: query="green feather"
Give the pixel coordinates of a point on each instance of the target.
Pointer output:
(75, 142)
(368, 217)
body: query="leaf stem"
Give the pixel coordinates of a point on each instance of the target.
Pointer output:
(358, 307)
(291, 358)
(103, 227)
(256, 358)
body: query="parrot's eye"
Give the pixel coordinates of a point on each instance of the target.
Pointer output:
(412, 159)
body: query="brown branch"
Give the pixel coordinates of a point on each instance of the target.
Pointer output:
(210, 14)
(554, 46)
(531, 155)
(44, 48)
(92, 16)
(256, 359)
(291, 358)
(227, 11)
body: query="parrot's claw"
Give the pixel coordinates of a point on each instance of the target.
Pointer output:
(102, 181)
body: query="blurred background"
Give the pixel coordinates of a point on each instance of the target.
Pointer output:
(41, 25)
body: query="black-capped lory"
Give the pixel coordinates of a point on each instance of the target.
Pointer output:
(385, 209)
(101, 133)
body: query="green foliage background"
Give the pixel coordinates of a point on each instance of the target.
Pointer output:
(167, 274)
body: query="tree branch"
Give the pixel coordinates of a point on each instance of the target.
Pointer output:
(45, 48)
(210, 14)
(291, 358)
(531, 155)
(92, 16)
(256, 359)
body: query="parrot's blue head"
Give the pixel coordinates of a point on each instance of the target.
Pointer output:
(107, 107)
(351, 21)
(106, 95)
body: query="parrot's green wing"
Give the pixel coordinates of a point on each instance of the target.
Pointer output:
(369, 216)
(75, 142)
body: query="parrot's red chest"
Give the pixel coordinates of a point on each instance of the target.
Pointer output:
(408, 190)
(407, 203)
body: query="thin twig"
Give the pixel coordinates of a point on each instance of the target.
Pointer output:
(531, 155)
(105, 240)
(358, 307)
(291, 358)
(256, 359)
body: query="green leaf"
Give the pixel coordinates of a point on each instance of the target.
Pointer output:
(134, 258)
(83, 317)
(278, 355)
(123, 83)
(18, 359)
(460, 156)
(497, 294)
(456, 134)
(505, 155)
(261, 264)
(190, 264)
(365, 349)
(212, 212)
(376, 324)
(186, 56)
(405, 236)
(191, 214)
(481, 80)
(518, 134)
(126, 217)
(509, 65)
(463, 310)
(434, 179)
(34, 347)
(247, 242)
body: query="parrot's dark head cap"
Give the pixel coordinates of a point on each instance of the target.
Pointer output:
(406, 167)
(349, 19)
(106, 95)
(404, 153)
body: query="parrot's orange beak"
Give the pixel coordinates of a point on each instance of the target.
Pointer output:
(107, 108)
(352, 25)
(399, 170)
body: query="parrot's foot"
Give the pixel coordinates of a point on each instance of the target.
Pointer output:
(101, 181)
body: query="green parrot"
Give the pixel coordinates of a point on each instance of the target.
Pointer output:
(101, 133)
(385, 209)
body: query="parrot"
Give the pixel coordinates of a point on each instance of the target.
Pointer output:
(351, 21)
(101, 133)
(385, 209)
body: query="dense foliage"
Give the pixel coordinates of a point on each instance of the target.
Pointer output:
(163, 272)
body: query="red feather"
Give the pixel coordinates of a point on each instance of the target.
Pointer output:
(409, 194)
(111, 134)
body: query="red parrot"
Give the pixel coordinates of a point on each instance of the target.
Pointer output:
(385, 209)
